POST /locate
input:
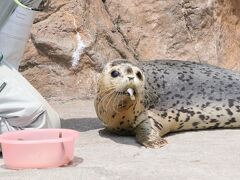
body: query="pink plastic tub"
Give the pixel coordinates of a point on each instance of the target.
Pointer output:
(38, 148)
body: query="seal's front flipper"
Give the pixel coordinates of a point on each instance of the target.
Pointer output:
(148, 134)
(156, 143)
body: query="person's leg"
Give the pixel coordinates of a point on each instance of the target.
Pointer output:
(21, 106)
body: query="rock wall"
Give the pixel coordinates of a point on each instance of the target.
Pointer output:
(72, 39)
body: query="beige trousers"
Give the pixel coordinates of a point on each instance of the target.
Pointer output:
(21, 106)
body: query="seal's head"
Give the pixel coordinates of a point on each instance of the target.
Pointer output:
(122, 79)
(120, 86)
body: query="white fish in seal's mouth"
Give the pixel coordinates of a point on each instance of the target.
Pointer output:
(131, 93)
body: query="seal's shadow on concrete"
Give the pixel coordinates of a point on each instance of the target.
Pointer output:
(87, 124)
(129, 140)
(81, 124)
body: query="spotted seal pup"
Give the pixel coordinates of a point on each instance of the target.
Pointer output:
(153, 98)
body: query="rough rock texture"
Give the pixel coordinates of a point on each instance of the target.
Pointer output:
(95, 31)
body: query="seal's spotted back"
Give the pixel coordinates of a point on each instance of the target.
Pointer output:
(194, 96)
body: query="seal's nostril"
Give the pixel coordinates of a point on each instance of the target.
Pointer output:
(130, 78)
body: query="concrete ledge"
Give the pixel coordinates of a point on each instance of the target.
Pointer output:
(194, 155)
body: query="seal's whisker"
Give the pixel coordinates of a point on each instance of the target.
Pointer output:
(100, 102)
(110, 99)
(116, 104)
(110, 95)
(107, 90)
(104, 98)
(105, 93)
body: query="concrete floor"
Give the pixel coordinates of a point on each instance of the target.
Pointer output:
(201, 155)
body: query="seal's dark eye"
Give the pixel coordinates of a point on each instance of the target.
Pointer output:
(115, 74)
(139, 75)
